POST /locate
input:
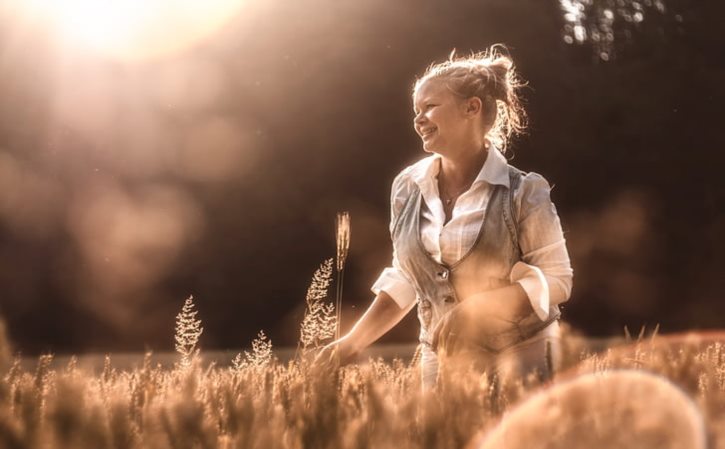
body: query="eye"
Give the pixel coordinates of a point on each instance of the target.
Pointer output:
(426, 107)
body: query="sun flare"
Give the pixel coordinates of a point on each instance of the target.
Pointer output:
(134, 29)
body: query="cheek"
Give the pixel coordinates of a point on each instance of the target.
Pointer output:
(438, 117)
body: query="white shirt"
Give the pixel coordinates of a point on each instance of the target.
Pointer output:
(545, 271)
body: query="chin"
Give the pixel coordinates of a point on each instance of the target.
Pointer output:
(428, 148)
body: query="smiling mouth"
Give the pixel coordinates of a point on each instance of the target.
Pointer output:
(426, 133)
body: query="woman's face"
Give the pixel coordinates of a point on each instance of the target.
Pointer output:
(441, 119)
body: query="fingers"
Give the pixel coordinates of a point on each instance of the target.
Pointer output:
(335, 354)
(326, 357)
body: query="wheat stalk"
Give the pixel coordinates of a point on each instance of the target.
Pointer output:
(343, 245)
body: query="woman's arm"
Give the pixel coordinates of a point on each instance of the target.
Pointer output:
(545, 271)
(379, 318)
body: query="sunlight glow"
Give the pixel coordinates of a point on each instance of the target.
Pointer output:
(134, 29)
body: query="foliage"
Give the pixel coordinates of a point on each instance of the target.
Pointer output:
(188, 331)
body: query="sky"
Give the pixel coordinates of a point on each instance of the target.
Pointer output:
(162, 149)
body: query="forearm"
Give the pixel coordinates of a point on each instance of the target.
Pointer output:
(379, 318)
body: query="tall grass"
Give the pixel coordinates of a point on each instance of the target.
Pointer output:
(262, 403)
(377, 404)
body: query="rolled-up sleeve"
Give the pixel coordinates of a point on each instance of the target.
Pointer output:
(392, 280)
(545, 271)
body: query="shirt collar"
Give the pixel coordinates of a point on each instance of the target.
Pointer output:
(494, 170)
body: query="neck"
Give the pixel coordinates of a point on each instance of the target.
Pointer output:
(460, 171)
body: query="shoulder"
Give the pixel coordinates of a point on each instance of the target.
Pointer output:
(524, 181)
(533, 190)
(533, 181)
(406, 178)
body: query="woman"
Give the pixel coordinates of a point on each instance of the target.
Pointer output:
(478, 245)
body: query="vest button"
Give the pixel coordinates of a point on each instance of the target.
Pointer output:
(443, 274)
(449, 299)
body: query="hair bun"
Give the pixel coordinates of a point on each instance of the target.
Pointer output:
(496, 74)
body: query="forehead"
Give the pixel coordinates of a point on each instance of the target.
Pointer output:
(430, 88)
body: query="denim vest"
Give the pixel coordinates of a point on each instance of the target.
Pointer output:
(486, 266)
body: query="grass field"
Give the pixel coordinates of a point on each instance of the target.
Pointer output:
(649, 392)
(260, 402)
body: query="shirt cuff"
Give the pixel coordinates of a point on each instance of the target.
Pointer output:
(534, 284)
(396, 285)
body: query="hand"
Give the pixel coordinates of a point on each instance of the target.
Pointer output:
(453, 330)
(474, 321)
(339, 352)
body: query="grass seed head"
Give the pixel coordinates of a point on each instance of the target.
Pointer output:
(343, 238)
(188, 331)
(320, 321)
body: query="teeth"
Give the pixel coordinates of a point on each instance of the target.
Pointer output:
(425, 132)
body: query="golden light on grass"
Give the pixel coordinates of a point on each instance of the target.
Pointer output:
(667, 392)
(620, 408)
(343, 245)
(133, 29)
(188, 331)
(320, 320)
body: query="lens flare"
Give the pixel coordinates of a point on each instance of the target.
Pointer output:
(133, 29)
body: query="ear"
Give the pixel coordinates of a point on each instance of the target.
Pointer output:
(473, 106)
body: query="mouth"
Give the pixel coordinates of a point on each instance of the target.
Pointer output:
(426, 133)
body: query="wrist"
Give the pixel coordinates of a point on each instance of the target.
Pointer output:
(348, 346)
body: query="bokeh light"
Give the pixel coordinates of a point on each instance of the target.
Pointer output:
(132, 30)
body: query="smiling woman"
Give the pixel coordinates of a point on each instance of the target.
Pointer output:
(133, 29)
(477, 243)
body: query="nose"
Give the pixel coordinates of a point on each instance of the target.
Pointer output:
(419, 119)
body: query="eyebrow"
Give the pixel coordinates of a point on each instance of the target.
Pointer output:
(422, 101)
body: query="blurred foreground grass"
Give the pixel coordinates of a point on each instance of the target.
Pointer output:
(285, 403)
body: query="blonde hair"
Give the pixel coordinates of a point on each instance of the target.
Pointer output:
(490, 76)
